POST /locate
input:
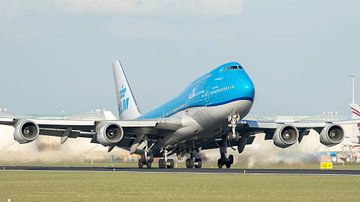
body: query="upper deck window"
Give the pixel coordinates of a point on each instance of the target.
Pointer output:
(234, 67)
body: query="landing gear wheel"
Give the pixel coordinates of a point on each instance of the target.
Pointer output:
(151, 157)
(162, 163)
(231, 159)
(228, 164)
(189, 163)
(148, 164)
(198, 163)
(170, 163)
(140, 163)
(220, 163)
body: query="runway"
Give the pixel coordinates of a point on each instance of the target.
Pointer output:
(184, 170)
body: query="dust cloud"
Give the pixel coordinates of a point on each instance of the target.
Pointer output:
(48, 150)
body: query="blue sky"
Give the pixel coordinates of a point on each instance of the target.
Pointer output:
(56, 55)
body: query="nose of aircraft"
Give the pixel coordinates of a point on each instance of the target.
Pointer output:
(246, 85)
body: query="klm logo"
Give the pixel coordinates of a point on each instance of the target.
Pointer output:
(124, 101)
(122, 92)
(124, 105)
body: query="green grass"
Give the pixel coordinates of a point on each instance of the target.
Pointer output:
(119, 186)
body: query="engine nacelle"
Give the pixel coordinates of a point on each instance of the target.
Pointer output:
(26, 131)
(332, 135)
(285, 136)
(108, 133)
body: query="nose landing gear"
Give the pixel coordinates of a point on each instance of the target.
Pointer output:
(224, 160)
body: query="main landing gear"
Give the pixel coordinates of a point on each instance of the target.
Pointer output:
(145, 160)
(165, 162)
(147, 157)
(194, 161)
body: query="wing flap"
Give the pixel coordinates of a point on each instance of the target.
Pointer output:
(7, 121)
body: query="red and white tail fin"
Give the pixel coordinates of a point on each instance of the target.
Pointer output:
(355, 109)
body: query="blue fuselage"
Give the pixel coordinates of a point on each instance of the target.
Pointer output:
(225, 84)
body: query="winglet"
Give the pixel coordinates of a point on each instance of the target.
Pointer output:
(127, 106)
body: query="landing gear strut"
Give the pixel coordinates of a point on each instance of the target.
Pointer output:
(147, 157)
(224, 160)
(194, 161)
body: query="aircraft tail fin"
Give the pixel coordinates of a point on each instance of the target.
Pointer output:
(355, 109)
(127, 106)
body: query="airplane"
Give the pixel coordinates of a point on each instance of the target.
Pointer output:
(355, 110)
(208, 114)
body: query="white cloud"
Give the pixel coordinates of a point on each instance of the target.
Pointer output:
(153, 7)
(15, 23)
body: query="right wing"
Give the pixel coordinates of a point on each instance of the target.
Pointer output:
(283, 134)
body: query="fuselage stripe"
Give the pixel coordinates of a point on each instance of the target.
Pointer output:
(213, 105)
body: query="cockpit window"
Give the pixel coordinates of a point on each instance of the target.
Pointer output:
(234, 67)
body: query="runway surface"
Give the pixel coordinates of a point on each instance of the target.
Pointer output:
(184, 170)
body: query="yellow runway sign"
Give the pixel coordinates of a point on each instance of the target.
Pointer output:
(326, 165)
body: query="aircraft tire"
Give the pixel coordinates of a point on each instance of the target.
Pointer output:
(140, 163)
(189, 163)
(231, 159)
(162, 163)
(148, 164)
(228, 163)
(170, 163)
(198, 163)
(220, 163)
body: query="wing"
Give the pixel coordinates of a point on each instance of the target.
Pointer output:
(283, 134)
(271, 127)
(106, 132)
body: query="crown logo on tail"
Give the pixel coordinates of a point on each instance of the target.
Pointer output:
(124, 101)
(122, 91)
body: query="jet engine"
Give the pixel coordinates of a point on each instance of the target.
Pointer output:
(332, 135)
(26, 131)
(285, 136)
(109, 133)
